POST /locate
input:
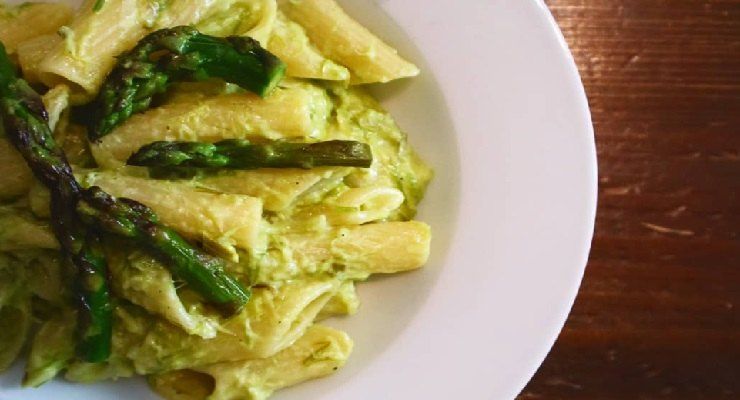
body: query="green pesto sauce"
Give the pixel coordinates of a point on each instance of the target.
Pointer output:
(352, 115)
(356, 116)
(360, 117)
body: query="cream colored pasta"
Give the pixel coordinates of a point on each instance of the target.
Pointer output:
(318, 353)
(226, 221)
(352, 251)
(32, 52)
(278, 188)
(15, 309)
(355, 206)
(345, 302)
(15, 177)
(254, 18)
(56, 101)
(86, 52)
(51, 350)
(301, 240)
(297, 110)
(31, 20)
(290, 43)
(342, 39)
(23, 232)
(15, 321)
(271, 321)
(135, 275)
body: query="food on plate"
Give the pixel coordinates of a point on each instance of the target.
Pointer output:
(190, 190)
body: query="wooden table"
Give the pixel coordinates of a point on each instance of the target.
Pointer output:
(658, 314)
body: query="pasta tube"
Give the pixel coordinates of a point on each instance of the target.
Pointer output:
(15, 320)
(354, 206)
(278, 188)
(290, 43)
(30, 20)
(15, 177)
(136, 275)
(253, 18)
(86, 53)
(52, 349)
(296, 110)
(90, 43)
(32, 52)
(318, 353)
(345, 302)
(271, 321)
(344, 40)
(56, 100)
(352, 252)
(15, 310)
(225, 221)
(23, 232)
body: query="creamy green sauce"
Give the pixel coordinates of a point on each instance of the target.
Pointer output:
(342, 113)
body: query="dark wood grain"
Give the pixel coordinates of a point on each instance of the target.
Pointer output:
(658, 314)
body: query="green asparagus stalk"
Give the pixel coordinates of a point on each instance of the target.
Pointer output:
(83, 249)
(180, 53)
(241, 154)
(25, 122)
(132, 220)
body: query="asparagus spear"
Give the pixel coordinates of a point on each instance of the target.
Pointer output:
(180, 53)
(25, 122)
(132, 220)
(241, 154)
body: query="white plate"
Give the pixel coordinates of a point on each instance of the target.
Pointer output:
(501, 115)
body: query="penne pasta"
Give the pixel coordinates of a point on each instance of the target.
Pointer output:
(352, 252)
(293, 243)
(273, 320)
(278, 188)
(345, 302)
(15, 309)
(86, 51)
(47, 277)
(56, 101)
(15, 321)
(290, 42)
(52, 349)
(39, 200)
(135, 275)
(254, 18)
(354, 206)
(15, 177)
(32, 52)
(295, 110)
(31, 20)
(345, 41)
(23, 232)
(318, 353)
(89, 45)
(224, 221)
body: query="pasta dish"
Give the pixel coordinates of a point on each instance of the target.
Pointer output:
(189, 190)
